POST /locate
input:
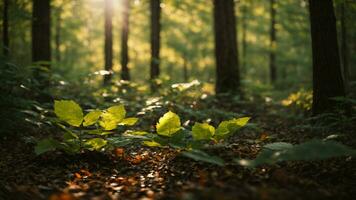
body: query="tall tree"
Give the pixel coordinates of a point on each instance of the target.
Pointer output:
(226, 54)
(344, 43)
(41, 44)
(244, 34)
(327, 76)
(125, 73)
(5, 28)
(108, 49)
(58, 34)
(272, 55)
(155, 37)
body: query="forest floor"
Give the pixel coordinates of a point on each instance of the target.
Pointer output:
(137, 172)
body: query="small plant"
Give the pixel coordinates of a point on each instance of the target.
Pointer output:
(84, 131)
(301, 100)
(169, 132)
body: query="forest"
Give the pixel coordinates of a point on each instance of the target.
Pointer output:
(177, 99)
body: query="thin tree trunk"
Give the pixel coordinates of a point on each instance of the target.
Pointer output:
(41, 44)
(5, 28)
(185, 69)
(155, 39)
(244, 34)
(344, 45)
(108, 41)
(125, 73)
(226, 53)
(58, 36)
(272, 56)
(327, 76)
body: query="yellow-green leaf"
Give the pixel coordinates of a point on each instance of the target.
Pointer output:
(226, 128)
(69, 111)
(108, 121)
(118, 112)
(168, 124)
(242, 121)
(138, 133)
(91, 118)
(129, 121)
(95, 143)
(202, 131)
(151, 143)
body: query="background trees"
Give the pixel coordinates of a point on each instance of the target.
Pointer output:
(5, 28)
(155, 9)
(327, 76)
(227, 67)
(186, 40)
(125, 74)
(108, 41)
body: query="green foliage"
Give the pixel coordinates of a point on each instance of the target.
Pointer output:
(203, 131)
(69, 111)
(80, 134)
(92, 117)
(168, 124)
(308, 151)
(199, 155)
(301, 100)
(46, 145)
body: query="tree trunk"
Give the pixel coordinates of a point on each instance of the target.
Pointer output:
(108, 41)
(244, 40)
(185, 69)
(327, 77)
(226, 54)
(155, 39)
(41, 44)
(58, 35)
(5, 29)
(125, 73)
(344, 45)
(272, 55)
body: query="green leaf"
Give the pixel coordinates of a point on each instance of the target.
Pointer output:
(118, 112)
(204, 157)
(95, 143)
(108, 121)
(308, 151)
(202, 131)
(112, 117)
(46, 145)
(151, 143)
(129, 121)
(69, 111)
(119, 141)
(138, 133)
(168, 124)
(70, 136)
(278, 146)
(226, 128)
(91, 118)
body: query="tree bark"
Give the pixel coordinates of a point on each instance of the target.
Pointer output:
(108, 49)
(244, 40)
(125, 73)
(327, 76)
(344, 45)
(41, 44)
(185, 69)
(5, 28)
(226, 53)
(58, 35)
(272, 55)
(155, 38)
